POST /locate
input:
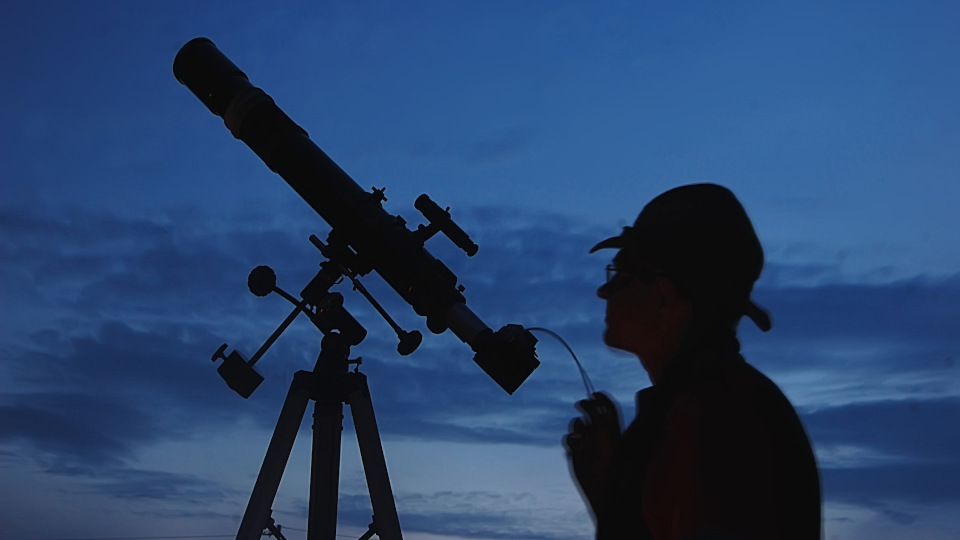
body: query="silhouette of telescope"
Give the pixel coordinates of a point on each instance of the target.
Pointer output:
(363, 237)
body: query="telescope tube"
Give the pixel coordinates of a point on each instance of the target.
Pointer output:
(363, 235)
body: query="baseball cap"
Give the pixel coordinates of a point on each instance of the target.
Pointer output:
(701, 237)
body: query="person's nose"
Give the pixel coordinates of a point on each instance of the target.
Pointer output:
(603, 291)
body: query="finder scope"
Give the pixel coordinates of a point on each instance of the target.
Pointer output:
(363, 235)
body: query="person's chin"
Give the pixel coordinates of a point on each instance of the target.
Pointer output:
(611, 339)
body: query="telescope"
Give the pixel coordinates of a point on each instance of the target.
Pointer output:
(363, 237)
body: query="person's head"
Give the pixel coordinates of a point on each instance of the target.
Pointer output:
(685, 269)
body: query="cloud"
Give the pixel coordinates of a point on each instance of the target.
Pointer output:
(915, 309)
(907, 450)
(68, 429)
(116, 317)
(93, 401)
(845, 343)
(135, 484)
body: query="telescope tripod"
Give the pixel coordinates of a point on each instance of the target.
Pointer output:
(330, 386)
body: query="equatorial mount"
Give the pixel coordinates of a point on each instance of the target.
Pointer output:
(324, 309)
(408, 341)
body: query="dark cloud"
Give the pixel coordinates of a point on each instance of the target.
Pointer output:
(921, 431)
(903, 450)
(133, 484)
(917, 309)
(95, 400)
(129, 310)
(69, 431)
(97, 262)
(864, 342)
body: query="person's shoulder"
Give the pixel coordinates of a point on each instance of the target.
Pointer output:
(737, 392)
(764, 388)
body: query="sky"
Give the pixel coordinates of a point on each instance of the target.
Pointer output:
(130, 218)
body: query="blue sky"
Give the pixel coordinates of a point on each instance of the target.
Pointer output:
(130, 219)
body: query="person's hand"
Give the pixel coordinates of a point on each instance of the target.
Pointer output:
(589, 444)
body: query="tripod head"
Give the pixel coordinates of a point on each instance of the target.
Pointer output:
(324, 309)
(363, 236)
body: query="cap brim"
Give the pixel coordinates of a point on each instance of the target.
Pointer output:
(612, 242)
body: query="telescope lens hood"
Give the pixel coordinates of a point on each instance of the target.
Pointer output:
(210, 75)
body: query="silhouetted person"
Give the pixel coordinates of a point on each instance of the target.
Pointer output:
(716, 451)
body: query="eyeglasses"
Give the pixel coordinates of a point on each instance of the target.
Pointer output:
(618, 278)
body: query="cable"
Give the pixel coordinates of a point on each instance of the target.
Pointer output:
(583, 373)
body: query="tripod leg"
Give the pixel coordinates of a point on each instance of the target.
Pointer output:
(257, 515)
(325, 469)
(385, 518)
(329, 396)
